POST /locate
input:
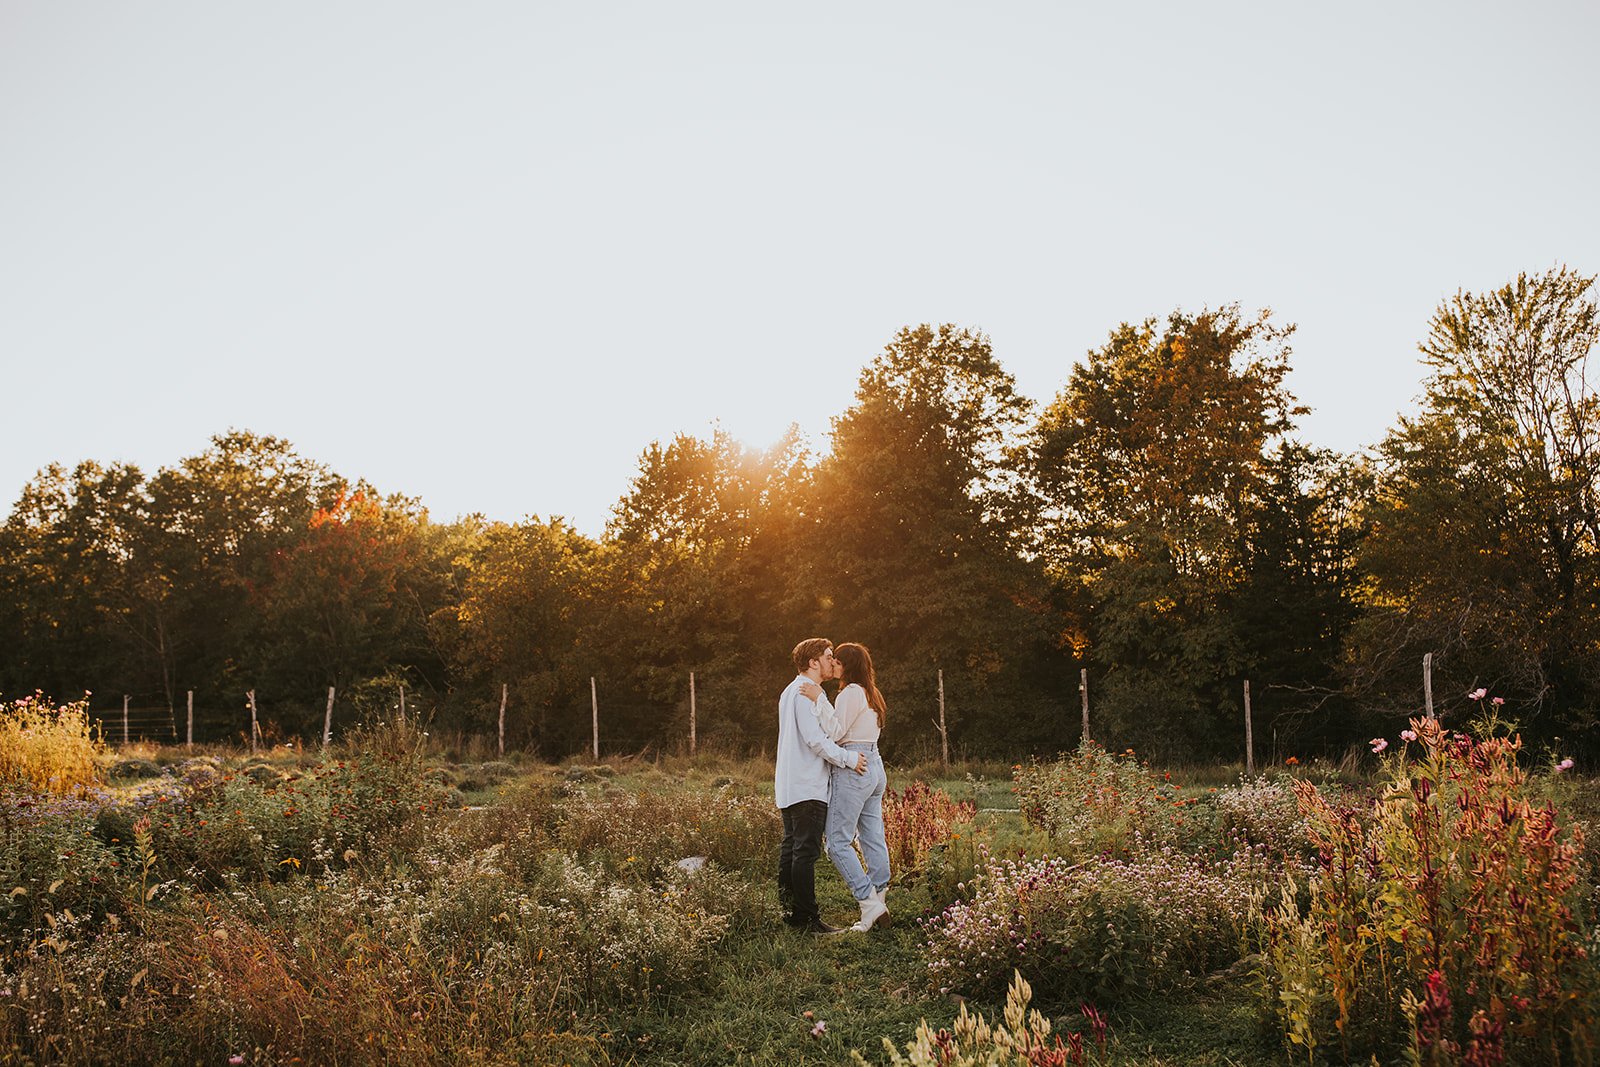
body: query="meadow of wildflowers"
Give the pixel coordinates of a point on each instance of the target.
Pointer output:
(380, 937)
(349, 907)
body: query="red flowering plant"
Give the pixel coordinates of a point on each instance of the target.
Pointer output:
(918, 819)
(1448, 916)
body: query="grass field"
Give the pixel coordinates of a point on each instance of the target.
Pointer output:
(867, 987)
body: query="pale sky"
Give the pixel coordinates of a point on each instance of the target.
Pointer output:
(485, 253)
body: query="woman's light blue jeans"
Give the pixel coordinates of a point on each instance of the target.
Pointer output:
(855, 810)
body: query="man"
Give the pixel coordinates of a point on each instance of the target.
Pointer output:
(800, 785)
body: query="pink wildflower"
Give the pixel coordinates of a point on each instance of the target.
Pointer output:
(819, 1029)
(1408, 735)
(1379, 744)
(236, 1059)
(1564, 765)
(1497, 701)
(1477, 694)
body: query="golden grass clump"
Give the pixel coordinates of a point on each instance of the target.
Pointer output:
(50, 747)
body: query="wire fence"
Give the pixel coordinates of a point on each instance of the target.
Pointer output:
(586, 725)
(153, 723)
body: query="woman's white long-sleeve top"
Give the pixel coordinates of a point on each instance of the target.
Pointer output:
(857, 720)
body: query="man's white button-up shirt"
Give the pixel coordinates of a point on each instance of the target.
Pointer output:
(804, 749)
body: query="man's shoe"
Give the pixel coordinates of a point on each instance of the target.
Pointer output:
(817, 926)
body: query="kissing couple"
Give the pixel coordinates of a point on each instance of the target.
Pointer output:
(830, 782)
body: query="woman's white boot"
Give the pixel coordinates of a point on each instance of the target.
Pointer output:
(873, 912)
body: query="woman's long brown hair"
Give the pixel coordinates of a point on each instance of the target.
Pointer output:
(857, 664)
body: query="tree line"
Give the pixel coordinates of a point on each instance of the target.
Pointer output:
(1158, 523)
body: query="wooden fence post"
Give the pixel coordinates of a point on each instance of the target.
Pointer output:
(691, 714)
(944, 735)
(189, 734)
(124, 719)
(1427, 683)
(327, 720)
(594, 709)
(503, 689)
(255, 730)
(1249, 734)
(1083, 693)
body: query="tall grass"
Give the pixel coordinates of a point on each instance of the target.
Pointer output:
(53, 748)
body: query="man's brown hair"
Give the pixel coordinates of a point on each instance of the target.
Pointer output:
(809, 649)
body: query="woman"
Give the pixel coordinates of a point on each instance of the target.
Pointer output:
(855, 802)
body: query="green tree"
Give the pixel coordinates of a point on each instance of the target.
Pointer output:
(525, 599)
(1299, 597)
(1152, 463)
(350, 597)
(80, 614)
(225, 516)
(914, 541)
(698, 568)
(1483, 545)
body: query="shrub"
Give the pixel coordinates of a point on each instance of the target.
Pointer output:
(918, 819)
(615, 943)
(1093, 803)
(1263, 815)
(649, 832)
(1021, 1039)
(1100, 928)
(344, 809)
(132, 770)
(48, 747)
(324, 984)
(1445, 917)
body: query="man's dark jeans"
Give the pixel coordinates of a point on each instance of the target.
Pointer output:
(803, 826)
